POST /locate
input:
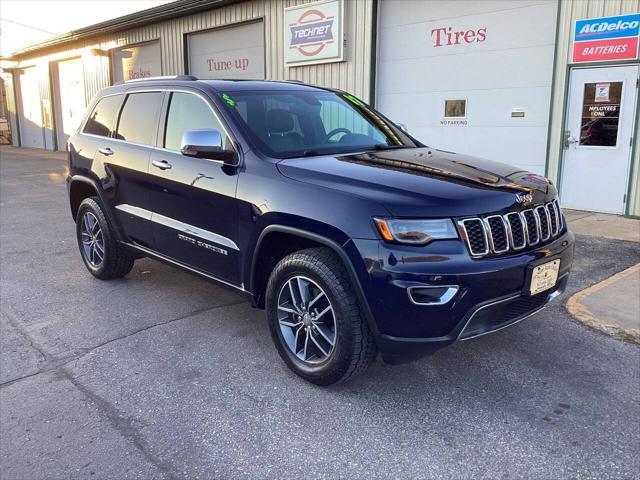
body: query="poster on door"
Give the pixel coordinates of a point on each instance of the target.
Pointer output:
(141, 61)
(600, 114)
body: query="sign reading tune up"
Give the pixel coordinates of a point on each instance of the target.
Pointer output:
(313, 33)
(608, 38)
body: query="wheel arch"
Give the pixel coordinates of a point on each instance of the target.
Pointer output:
(257, 283)
(81, 187)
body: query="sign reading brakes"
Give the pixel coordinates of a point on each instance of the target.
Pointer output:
(608, 38)
(313, 32)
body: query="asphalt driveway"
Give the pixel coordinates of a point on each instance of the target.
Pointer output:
(162, 375)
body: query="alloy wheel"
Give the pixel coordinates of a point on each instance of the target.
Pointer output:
(306, 319)
(92, 240)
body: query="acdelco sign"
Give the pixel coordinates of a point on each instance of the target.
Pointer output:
(609, 38)
(607, 28)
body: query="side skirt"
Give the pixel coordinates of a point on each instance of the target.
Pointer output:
(147, 252)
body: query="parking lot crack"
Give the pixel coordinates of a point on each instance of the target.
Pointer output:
(124, 425)
(54, 363)
(155, 325)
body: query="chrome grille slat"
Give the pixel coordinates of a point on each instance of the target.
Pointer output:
(556, 205)
(516, 229)
(496, 233)
(543, 222)
(532, 226)
(478, 247)
(512, 231)
(553, 218)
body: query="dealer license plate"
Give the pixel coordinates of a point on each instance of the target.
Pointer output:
(544, 277)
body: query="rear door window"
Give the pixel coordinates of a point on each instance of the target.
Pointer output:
(103, 117)
(139, 118)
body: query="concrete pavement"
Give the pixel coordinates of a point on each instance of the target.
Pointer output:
(603, 225)
(613, 305)
(162, 375)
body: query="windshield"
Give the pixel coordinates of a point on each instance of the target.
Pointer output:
(287, 124)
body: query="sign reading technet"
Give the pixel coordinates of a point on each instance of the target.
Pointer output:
(313, 33)
(608, 38)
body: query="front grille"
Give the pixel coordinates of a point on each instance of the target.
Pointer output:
(476, 236)
(496, 234)
(516, 225)
(553, 217)
(543, 218)
(502, 314)
(530, 221)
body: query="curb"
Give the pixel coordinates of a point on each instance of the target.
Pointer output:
(582, 313)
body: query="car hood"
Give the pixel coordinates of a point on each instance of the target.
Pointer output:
(423, 181)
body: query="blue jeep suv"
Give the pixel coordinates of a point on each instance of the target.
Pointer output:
(354, 236)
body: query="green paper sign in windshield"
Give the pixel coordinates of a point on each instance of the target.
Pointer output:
(228, 99)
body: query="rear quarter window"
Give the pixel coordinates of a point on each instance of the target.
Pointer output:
(102, 119)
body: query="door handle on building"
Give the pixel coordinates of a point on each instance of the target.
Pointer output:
(161, 164)
(106, 151)
(568, 139)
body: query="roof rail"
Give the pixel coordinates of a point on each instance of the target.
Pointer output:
(166, 77)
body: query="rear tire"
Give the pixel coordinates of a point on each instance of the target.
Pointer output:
(318, 329)
(101, 253)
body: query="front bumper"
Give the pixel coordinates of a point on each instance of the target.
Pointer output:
(492, 292)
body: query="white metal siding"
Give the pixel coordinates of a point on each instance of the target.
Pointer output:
(353, 74)
(506, 65)
(570, 11)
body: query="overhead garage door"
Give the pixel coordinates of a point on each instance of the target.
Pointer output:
(470, 76)
(230, 52)
(30, 115)
(139, 61)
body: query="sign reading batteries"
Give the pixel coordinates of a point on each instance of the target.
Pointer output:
(608, 38)
(313, 33)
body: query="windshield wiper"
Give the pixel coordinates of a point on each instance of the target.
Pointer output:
(311, 153)
(305, 153)
(384, 146)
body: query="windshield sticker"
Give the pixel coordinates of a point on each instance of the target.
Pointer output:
(228, 99)
(354, 100)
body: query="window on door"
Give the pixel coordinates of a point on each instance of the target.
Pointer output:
(102, 119)
(188, 112)
(600, 114)
(138, 118)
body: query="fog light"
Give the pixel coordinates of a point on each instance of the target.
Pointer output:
(432, 295)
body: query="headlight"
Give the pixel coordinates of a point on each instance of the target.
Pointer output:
(415, 232)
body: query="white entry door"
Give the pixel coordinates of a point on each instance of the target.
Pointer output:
(598, 133)
(30, 113)
(71, 98)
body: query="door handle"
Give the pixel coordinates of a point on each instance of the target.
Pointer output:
(106, 151)
(568, 139)
(161, 164)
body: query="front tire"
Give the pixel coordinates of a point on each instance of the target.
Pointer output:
(315, 319)
(101, 253)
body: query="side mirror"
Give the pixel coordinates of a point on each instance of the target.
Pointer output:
(206, 143)
(402, 127)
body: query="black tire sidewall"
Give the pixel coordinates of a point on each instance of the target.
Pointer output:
(334, 368)
(92, 205)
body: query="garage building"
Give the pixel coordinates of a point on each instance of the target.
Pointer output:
(548, 86)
